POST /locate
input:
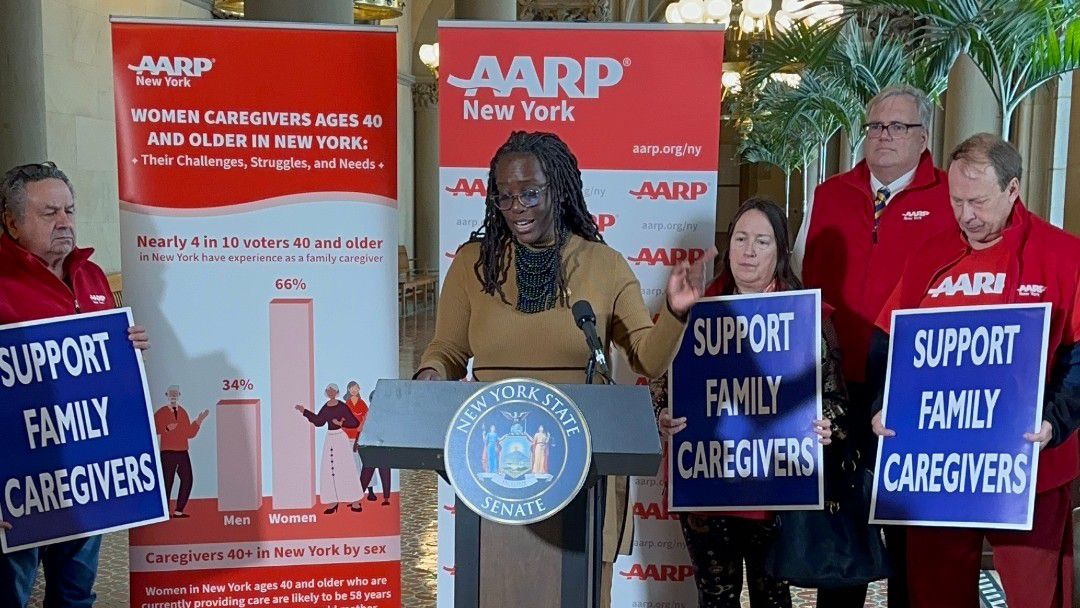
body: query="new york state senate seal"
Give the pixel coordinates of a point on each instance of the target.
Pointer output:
(518, 451)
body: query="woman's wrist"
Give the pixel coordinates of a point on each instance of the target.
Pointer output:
(420, 372)
(682, 318)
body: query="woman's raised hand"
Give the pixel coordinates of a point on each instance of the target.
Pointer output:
(686, 284)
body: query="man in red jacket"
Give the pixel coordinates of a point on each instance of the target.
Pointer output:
(42, 275)
(1000, 253)
(863, 225)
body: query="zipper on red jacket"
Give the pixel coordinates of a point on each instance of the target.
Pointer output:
(77, 309)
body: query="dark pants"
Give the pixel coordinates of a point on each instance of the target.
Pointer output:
(895, 536)
(178, 464)
(70, 568)
(718, 546)
(384, 475)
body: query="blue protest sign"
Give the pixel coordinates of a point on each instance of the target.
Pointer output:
(963, 386)
(81, 457)
(747, 377)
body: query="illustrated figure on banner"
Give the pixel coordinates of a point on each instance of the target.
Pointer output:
(339, 481)
(175, 429)
(359, 408)
(367, 473)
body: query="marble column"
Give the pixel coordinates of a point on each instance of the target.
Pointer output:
(22, 102)
(426, 129)
(406, 139)
(1071, 208)
(970, 106)
(426, 172)
(936, 145)
(1033, 128)
(486, 10)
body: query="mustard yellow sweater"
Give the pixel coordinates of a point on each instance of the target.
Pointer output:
(548, 345)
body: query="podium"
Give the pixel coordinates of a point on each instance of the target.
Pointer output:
(555, 562)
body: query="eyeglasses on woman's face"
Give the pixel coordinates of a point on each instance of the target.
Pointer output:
(529, 198)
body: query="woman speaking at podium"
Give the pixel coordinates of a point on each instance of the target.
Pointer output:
(506, 300)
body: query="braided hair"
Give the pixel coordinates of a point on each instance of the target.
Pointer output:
(568, 207)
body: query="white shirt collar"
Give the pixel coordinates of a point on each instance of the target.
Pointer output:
(896, 186)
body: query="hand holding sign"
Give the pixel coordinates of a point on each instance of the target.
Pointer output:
(140, 339)
(823, 429)
(879, 427)
(668, 425)
(1045, 434)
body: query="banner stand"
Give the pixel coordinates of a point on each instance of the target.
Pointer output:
(258, 220)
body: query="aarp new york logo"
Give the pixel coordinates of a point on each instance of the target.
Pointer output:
(518, 451)
(543, 77)
(170, 71)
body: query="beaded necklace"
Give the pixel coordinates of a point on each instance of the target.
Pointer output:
(537, 277)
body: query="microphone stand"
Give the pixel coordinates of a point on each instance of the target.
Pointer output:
(597, 499)
(591, 370)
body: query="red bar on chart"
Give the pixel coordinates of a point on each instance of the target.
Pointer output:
(239, 454)
(292, 382)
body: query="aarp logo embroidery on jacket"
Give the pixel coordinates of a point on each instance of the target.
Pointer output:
(1030, 290)
(981, 283)
(911, 216)
(97, 299)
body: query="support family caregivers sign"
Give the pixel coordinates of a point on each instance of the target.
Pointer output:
(964, 385)
(80, 456)
(747, 378)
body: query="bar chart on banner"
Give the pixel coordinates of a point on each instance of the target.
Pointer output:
(255, 435)
(267, 510)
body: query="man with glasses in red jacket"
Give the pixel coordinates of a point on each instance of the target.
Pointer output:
(43, 275)
(863, 226)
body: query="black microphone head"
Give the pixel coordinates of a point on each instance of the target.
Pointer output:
(583, 312)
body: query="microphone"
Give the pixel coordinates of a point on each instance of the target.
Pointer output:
(586, 321)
